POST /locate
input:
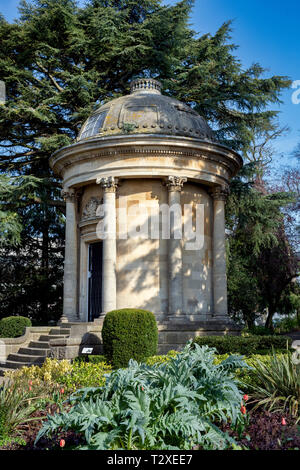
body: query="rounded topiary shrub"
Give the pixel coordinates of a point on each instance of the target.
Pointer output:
(11, 327)
(129, 334)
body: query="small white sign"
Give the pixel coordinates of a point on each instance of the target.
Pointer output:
(87, 351)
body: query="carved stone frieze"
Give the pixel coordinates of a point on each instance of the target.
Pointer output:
(90, 209)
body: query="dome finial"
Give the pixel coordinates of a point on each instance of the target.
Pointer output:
(145, 85)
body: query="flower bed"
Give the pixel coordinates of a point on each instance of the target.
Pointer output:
(213, 385)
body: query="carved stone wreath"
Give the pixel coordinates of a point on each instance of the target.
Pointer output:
(89, 211)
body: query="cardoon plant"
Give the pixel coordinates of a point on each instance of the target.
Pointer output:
(175, 405)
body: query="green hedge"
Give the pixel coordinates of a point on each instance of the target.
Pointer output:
(258, 330)
(12, 327)
(92, 358)
(129, 334)
(244, 345)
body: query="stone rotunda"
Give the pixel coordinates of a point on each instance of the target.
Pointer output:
(142, 152)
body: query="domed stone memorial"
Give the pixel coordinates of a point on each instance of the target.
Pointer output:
(145, 185)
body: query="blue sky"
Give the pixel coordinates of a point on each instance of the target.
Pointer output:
(266, 32)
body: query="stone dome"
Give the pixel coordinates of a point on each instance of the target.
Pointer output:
(145, 111)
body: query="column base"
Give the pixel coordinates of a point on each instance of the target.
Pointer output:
(69, 318)
(175, 332)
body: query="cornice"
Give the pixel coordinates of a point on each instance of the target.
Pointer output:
(145, 146)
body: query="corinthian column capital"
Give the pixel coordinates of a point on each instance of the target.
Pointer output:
(219, 193)
(108, 183)
(175, 183)
(69, 195)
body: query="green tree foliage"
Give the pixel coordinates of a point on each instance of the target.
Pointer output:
(289, 181)
(31, 253)
(10, 224)
(59, 61)
(261, 261)
(290, 300)
(14, 193)
(260, 149)
(277, 268)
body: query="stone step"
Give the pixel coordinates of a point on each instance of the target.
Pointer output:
(34, 351)
(25, 358)
(46, 338)
(39, 344)
(67, 326)
(17, 365)
(37, 351)
(59, 331)
(41, 329)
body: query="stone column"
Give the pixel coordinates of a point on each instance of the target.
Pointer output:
(219, 252)
(174, 185)
(109, 289)
(71, 258)
(83, 296)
